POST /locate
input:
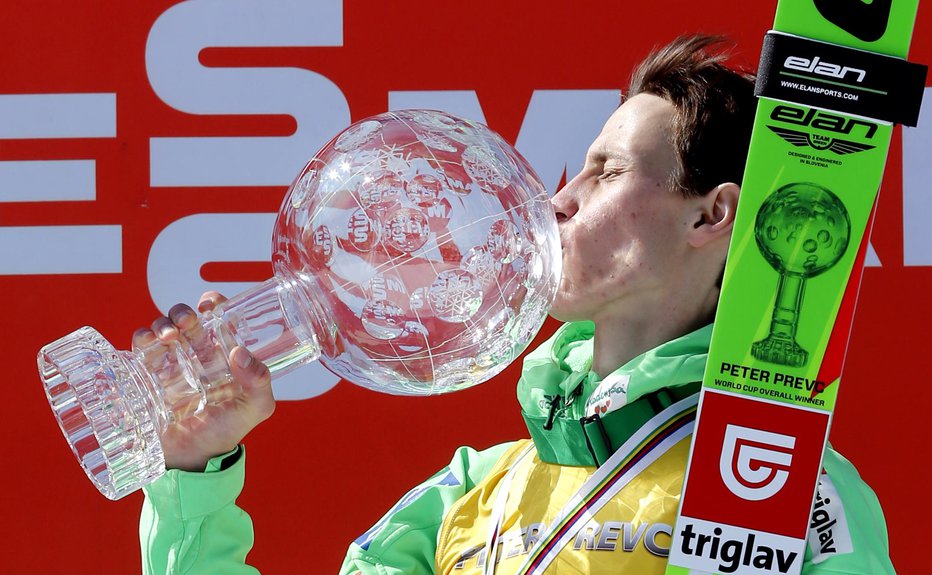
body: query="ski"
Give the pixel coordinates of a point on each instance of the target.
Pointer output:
(832, 82)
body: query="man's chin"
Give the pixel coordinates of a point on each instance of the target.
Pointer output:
(564, 311)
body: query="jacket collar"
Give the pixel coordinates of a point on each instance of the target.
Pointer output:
(557, 385)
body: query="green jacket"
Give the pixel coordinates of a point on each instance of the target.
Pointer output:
(190, 523)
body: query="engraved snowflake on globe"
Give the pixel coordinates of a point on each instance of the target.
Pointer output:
(437, 141)
(484, 168)
(357, 135)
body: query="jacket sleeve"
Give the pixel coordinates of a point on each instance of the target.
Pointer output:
(847, 531)
(404, 541)
(191, 525)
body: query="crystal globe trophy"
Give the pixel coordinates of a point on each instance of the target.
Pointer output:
(802, 229)
(416, 253)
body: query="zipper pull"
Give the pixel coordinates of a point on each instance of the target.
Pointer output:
(554, 405)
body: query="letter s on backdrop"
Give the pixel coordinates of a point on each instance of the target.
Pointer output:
(181, 81)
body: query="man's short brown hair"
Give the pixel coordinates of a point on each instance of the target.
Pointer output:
(714, 109)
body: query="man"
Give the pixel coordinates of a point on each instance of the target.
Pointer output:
(645, 228)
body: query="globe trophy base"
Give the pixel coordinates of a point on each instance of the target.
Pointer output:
(781, 350)
(98, 398)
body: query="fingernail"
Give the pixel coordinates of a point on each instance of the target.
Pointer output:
(242, 358)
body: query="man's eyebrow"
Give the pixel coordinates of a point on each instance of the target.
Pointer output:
(603, 154)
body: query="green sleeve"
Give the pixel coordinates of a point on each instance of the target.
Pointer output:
(190, 523)
(847, 534)
(404, 541)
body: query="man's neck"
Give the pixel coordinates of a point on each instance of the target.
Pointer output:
(618, 340)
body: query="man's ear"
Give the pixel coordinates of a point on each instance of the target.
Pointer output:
(714, 215)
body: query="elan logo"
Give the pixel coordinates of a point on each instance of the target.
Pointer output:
(817, 66)
(812, 118)
(755, 464)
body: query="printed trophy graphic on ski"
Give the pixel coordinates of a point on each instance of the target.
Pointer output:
(802, 230)
(416, 253)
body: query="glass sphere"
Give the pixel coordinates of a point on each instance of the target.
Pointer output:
(802, 229)
(429, 244)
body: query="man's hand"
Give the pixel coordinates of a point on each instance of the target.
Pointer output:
(234, 408)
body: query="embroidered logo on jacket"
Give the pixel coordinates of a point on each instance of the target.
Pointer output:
(611, 394)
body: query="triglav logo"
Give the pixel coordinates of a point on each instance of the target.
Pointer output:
(755, 464)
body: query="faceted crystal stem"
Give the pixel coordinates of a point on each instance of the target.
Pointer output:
(278, 321)
(274, 321)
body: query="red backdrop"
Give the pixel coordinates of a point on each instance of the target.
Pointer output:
(94, 234)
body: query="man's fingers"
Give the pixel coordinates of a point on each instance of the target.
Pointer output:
(145, 341)
(183, 316)
(255, 379)
(192, 330)
(143, 338)
(210, 300)
(164, 329)
(153, 350)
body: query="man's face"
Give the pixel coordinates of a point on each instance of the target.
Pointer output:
(622, 226)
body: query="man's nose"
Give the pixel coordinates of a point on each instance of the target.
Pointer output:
(564, 203)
